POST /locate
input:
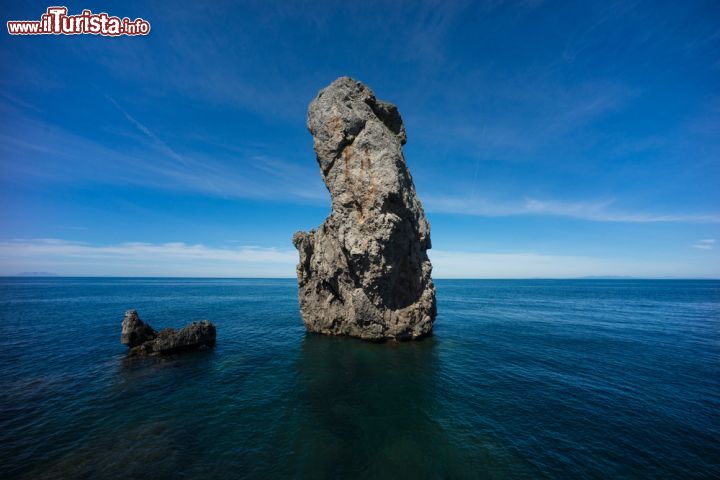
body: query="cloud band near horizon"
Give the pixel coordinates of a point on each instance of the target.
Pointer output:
(70, 258)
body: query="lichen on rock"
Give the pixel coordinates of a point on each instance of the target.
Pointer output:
(365, 271)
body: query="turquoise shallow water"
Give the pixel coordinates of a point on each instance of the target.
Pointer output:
(522, 379)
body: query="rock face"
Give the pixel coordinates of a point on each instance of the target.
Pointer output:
(135, 332)
(143, 340)
(364, 272)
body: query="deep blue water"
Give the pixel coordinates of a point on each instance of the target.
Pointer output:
(522, 379)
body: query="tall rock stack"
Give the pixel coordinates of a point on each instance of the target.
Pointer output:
(364, 272)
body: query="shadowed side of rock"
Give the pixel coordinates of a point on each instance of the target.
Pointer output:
(134, 331)
(144, 340)
(365, 271)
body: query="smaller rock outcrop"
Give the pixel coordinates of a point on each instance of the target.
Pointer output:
(144, 340)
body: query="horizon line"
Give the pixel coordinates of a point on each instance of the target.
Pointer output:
(588, 277)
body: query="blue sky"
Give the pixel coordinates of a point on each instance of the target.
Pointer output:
(546, 139)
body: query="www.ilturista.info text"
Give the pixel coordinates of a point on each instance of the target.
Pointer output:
(56, 21)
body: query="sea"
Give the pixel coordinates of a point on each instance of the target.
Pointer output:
(521, 379)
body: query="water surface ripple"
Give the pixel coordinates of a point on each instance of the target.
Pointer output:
(522, 379)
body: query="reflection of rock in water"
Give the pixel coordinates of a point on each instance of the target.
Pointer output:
(140, 377)
(366, 410)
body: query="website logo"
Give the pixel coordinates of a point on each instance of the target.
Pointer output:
(56, 21)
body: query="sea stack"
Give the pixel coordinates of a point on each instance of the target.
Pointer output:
(143, 340)
(365, 271)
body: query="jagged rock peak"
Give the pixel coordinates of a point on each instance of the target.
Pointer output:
(134, 331)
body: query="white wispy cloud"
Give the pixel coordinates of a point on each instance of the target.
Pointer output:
(145, 259)
(530, 118)
(145, 250)
(705, 244)
(458, 264)
(146, 131)
(31, 148)
(600, 211)
(180, 259)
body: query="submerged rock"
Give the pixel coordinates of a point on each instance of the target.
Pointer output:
(365, 271)
(144, 340)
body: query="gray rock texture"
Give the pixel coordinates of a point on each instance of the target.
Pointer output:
(134, 331)
(144, 340)
(364, 272)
